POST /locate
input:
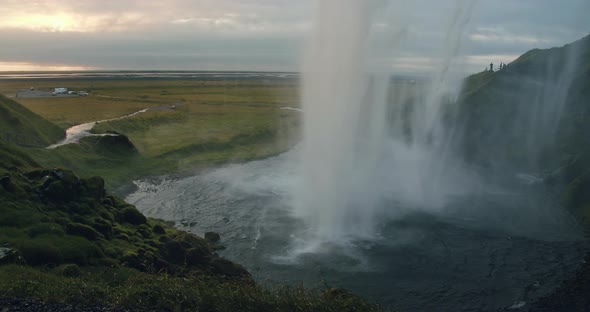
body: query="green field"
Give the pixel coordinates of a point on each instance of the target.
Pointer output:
(192, 124)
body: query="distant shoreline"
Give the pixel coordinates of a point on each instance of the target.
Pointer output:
(162, 74)
(143, 74)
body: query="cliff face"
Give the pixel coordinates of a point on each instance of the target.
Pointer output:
(534, 116)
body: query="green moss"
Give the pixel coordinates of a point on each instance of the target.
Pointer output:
(131, 215)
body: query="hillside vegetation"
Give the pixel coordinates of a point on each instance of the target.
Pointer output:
(19, 125)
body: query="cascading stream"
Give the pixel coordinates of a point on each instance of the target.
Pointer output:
(362, 140)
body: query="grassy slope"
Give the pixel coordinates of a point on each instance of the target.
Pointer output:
(13, 157)
(490, 102)
(22, 126)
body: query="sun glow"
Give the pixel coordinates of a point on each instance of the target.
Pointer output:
(26, 66)
(72, 22)
(44, 22)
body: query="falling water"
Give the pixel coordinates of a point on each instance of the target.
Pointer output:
(363, 139)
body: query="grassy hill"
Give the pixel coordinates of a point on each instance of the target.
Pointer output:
(543, 92)
(20, 126)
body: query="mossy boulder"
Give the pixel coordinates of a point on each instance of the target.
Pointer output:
(158, 229)
(174, 252)
(95, 187)
(131, 215)
(228, 268)
(198, 256)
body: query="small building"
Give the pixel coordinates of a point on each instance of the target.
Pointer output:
(60, 90)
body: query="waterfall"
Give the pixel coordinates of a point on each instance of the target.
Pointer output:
(366, 138)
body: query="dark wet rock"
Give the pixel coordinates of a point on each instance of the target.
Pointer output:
(197, 256)
(229, 269)
(212, 237)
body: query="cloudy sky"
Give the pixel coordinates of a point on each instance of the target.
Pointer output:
(266, 35)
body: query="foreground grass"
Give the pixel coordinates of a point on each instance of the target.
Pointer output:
(132, 289)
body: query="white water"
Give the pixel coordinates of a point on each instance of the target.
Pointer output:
(363, 139)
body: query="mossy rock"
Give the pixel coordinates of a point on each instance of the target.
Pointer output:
(174, 252)
(228, 268)
(198, 256)
(94, 186)
(103, 227)
(158, 229)
(131, 215)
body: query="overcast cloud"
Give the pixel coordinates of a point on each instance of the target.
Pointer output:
(258, 34)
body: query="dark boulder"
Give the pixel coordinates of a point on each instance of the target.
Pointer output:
(229, 269)
(158, 229)
(95, 187)
(131, 215)
(212, 237)
(173, 252)
(197, 256)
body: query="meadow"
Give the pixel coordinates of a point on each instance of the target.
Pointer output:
(192, 123)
